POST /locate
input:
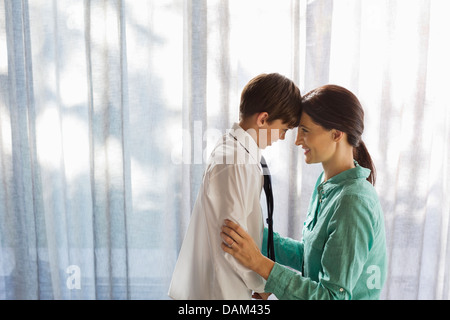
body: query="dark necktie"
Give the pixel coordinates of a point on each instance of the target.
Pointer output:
(269, 198)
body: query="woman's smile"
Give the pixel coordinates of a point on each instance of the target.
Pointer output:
(306, 150)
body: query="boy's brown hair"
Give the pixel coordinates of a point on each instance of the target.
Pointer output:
(275, 94)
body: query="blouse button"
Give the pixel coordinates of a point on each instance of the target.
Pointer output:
(341, 290)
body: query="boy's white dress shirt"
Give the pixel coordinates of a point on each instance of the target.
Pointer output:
(231, 189)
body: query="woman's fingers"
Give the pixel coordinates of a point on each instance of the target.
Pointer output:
(227, 239)
(236, 228)
(239, 244)
(232, 234)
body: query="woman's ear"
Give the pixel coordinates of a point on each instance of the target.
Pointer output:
(261, 119)
(337, 135)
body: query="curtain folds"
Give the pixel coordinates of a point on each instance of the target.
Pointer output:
(110, 108)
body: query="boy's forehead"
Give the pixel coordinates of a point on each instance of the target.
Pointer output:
(286, 125)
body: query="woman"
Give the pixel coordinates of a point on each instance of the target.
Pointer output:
(342, 254)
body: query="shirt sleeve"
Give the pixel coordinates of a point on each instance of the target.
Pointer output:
(288, 252)
(232, 194)
(351, 231)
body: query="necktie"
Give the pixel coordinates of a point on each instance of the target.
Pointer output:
(269, 198)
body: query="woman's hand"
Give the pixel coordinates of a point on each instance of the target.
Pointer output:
(241, 246)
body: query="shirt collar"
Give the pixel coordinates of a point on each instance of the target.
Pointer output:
(246, 141)
(357, 172)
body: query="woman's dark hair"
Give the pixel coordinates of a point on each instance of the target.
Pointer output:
(334, 107)
(275, 94)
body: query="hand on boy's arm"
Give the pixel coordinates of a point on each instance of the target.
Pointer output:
(238, 243)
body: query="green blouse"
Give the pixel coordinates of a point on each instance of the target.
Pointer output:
(342, 254)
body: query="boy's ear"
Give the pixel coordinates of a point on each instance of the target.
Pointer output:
(261, 119)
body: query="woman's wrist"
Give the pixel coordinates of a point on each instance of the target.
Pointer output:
(264, 267)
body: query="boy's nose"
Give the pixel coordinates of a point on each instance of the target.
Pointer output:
(298, 140)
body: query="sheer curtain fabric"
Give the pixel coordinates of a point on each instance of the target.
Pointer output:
(108, 110)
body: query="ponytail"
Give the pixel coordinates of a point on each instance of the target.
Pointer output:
(362, 156)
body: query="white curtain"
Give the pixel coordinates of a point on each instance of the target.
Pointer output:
(109, 109)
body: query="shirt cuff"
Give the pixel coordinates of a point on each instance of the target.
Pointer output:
(278, 280)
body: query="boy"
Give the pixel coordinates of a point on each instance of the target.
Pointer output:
(231, 188)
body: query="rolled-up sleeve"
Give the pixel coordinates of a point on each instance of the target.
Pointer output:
(288, 252)
(287, 284)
